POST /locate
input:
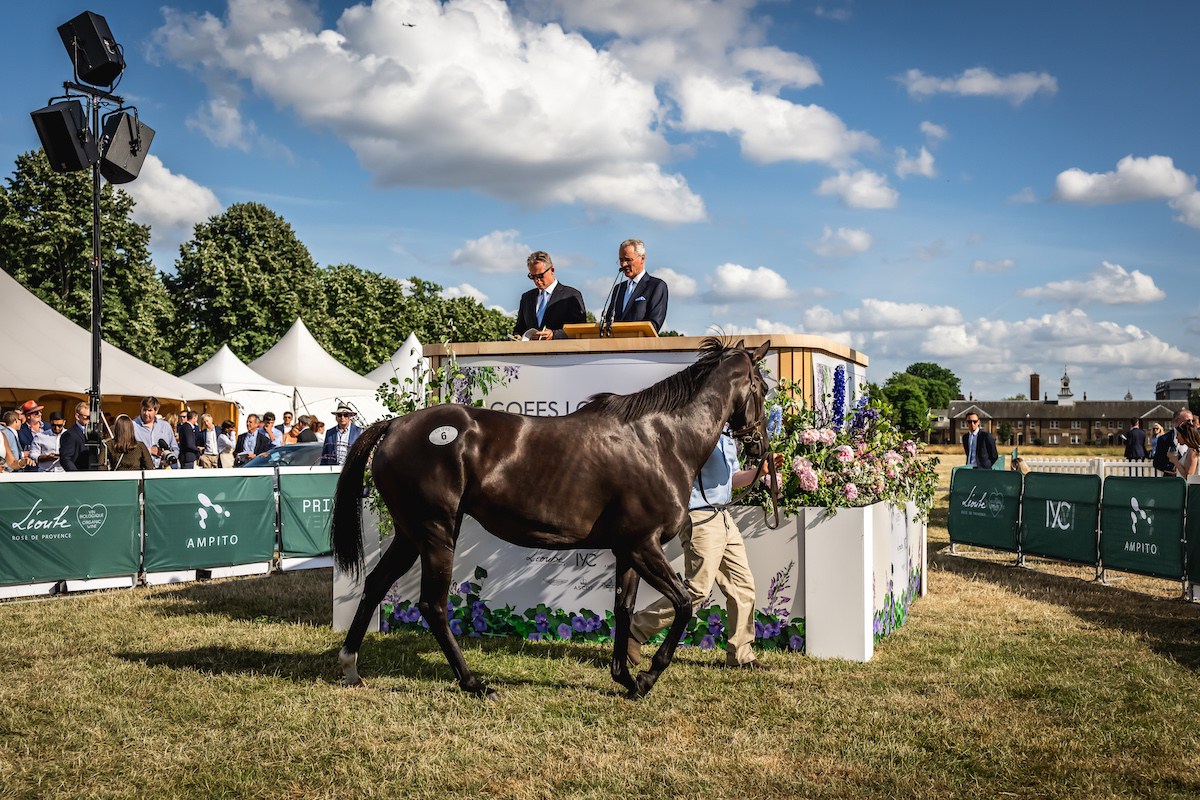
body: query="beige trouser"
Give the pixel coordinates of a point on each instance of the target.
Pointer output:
(208, 461)
(714, 550)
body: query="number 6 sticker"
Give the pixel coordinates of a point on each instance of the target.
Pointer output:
(443, 435)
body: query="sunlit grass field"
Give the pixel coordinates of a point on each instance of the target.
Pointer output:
(1004, 683)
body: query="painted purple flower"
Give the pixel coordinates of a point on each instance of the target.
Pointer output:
(578, 623)
(542, 627)
(540, 617)
(534, 637)
(708, 643)
(480, 624)
(796, 642)
(456, 627)
(758, 629)
(716, 628)
(564, 631)
(424, 623)
(593, 623)
(714, 618)
(383, 626)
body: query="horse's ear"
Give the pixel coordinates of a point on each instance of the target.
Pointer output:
(761, 352)
(741, 345)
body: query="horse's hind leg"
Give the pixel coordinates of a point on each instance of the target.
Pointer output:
(398, 559)
(436, 565)
(627, 584)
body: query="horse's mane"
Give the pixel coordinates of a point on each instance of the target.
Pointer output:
(669, 393)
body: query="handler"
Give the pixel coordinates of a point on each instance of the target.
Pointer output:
(713, 550)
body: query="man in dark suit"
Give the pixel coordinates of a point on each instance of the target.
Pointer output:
(979, 446)
(550, 304)
(642, 296)
(252, 442)
(306, 435)
(1135, 442)
(73, 454)
(1166, 444)
(189, 441)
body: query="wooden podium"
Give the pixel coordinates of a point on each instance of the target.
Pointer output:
(619, 330)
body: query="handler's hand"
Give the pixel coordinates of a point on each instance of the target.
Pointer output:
(546, 334)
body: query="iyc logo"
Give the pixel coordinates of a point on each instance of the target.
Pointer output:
(1060, 514)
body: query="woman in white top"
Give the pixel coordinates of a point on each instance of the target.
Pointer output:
(225, 444)
(1187, 449)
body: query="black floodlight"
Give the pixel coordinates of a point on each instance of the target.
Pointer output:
(66, 138)
(97, 57)
(127, 141)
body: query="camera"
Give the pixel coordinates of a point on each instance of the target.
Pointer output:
(166, 457)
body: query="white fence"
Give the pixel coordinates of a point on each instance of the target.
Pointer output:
(1081, 465)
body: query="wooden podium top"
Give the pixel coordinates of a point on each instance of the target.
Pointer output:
(620, 330)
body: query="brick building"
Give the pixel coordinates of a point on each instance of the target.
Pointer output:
(1062, 421)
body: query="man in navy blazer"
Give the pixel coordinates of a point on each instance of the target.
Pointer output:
(563, 305)
(339, 438)
(642, 296)
(189, 441)
(73, 453)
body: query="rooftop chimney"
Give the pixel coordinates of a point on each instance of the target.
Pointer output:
(1035, 388)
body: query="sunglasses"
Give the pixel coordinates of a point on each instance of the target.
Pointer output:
(533, 276)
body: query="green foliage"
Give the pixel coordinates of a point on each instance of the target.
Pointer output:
(46, 244)
(242, 280)
(932, 372)
(1194, 401)
(910, 405)
(1006, 432)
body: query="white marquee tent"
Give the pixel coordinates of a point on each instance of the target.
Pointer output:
(227, 374)
(405, 363)
(49, 358)
(317, 381)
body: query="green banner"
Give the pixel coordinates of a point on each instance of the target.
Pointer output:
(68, 530)
(1141, 526)
(212, 521)
(305, 501)
(984, 507)
(1059, 515)
(1193, 532)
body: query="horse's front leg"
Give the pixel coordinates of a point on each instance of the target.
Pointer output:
(627, 585)
(436, 564)
(651, 563)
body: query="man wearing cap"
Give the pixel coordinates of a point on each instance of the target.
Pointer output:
(31, 427)
(339, 439)
(44, 449)
(549, 304)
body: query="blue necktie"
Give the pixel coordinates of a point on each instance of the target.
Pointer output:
(628, 294)
(541, 309)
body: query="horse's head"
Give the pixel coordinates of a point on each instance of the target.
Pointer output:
(748, 422)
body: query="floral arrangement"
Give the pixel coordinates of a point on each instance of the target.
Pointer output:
(843, 458)
(471, 616)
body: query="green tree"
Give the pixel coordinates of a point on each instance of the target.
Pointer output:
(932, 372)
(46, 245)
(1194, 401)
(1005, 432)
(242, 280)
(370, 315)
(906, 393)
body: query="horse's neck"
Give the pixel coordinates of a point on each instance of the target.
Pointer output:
(707, 413)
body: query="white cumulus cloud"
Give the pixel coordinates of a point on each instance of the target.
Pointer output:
(498, 251)
(170, 204)
(733, 282)
(1152, 178)
(934, 134)
(1022, 197)
(1188, 206)
(1110, 285)
(919, 165)
(881, 315)
(980, 81)
(862, 189)
(678, 284)
(464, 290)
(843, 242)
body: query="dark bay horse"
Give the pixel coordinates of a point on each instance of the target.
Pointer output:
(616, 474)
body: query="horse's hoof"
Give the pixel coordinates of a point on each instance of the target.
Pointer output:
(356, 684)
(492, 695)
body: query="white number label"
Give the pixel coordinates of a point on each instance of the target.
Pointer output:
(443, 435)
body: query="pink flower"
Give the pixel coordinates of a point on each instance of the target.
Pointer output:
(851, 491)
(891, 458)
(909, 447)
(810, 436)
(891, 473)
(808, 480)
(844, 453)
(800, 463)
(827, 436)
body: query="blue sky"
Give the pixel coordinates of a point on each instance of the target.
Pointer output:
(998, 188)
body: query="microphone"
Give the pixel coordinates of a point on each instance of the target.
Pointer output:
(610, 305)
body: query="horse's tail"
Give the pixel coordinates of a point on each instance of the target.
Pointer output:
(345, 534)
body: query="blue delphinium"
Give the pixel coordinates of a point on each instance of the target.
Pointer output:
(839, 396)
(774, 422)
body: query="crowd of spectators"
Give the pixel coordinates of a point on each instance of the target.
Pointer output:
(148, 441)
